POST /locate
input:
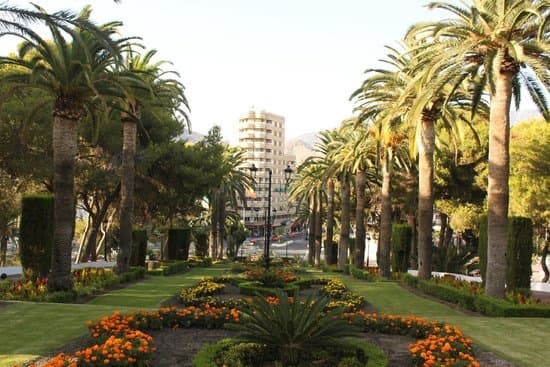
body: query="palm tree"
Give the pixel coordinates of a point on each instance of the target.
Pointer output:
(74, 76)
(325, 141)
(143, 83)
(377, 101)
(499, 46)
(306, 188)
(233, 187)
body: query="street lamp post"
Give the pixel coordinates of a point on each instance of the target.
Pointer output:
(288, 172)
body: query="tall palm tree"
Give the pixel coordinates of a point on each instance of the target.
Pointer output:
(306, 188)
(144, 84)
(377, 101)
(323, 147)
(498, 45)
(235, 182)
(75, 79)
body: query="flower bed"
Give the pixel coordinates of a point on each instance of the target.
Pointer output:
(438, 345)
(87, 281)
(121, 340)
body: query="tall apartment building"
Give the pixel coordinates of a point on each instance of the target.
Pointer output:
(262, 136)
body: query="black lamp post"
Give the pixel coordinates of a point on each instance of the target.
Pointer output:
(288, 172)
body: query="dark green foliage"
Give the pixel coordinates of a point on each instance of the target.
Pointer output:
(519, 252)
(400, 247)
(482, 246)
(178, 243)
(139, 247)
(36, 233)
(245, 355)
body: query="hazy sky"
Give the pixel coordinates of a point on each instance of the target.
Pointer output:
(298, 58)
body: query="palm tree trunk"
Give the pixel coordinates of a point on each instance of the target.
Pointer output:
(318, 227)
(64, 151)
(359, 258)
(343, 240)
(498, 190)
(213, 235)
(330, 223)
(311, 234)
(221, 223)
(425, 197)
(411, 221)
(3, 247)
(385, 218)
(129, 133)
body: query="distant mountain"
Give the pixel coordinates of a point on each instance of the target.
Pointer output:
(193, 137)
(302, 146)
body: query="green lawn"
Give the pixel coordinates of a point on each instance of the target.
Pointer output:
(520, 340)
(28, 330)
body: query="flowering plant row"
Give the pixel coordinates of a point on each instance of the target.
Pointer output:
(121, 340)
(439, 345)
(206, 287)
(341, 297)
(86, 280)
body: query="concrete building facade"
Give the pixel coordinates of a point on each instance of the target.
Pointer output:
(262, 137)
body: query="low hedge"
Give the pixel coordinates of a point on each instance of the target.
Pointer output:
(170, 268)
(255, 287)
(201, 262)
(480, 303)
(206, 357)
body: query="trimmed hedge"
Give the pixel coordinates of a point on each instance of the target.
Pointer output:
(400, 247)
(139, 247)
(484, 304)
(170, 268)
(178, 243)
(36, 232)
(255, 287)
(519, 252)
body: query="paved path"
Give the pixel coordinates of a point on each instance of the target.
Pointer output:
(17, 270)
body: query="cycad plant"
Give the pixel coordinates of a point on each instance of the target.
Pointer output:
(293, 328)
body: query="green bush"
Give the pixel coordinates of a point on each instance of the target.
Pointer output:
(178, 243)
(169, 268)
(204, 262)
(36, 232)
(253, 288)
(400, 247)
(519, 253)
(207, 355)
(482, 246)
(361, 274)
(139, 247)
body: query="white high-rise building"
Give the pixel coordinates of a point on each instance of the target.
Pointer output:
(262, 136)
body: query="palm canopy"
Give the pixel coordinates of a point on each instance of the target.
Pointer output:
(73, 74)
(483, 40)
(15, 21)
(144, 83)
